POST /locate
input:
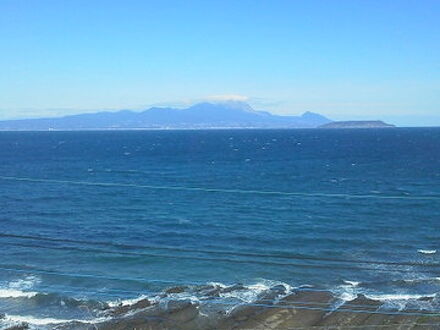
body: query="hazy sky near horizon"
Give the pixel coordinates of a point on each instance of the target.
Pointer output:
(347, 59)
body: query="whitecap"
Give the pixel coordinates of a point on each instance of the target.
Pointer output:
(352, 283)
(427, 251)
(13, 293)
(24, 283)
(19, 288)
(221, 285)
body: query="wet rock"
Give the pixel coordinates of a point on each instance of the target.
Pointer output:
(22, 326)
(181, 311)
(426, 299)
(175, 305)
(279, 288)
(209, 290)
(235, 287)
(175, 314)
(352, 313)
(124, 309)
(75, 326)
(301, 309)
(306, 308)
(270, 295)
(283, 315)
(206, 287)
(176, 289)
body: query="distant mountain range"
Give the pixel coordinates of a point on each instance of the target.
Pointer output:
(202, 115)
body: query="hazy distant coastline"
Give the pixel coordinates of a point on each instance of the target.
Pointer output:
(205, 115)
(223, 115)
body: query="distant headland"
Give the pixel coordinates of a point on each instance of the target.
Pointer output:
(357, 124)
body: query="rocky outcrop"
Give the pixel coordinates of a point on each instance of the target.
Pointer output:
(273, 309)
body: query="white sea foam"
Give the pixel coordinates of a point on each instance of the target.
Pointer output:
(13, 293)
(421, 279)
(11, 319)
(24, 283)
(427, 251)
(396, 296)
(347, 292)
(242, 294)
(19, 288)
(221, 285)
(403, 301)
(348, 296)
(126, 302)
(250, 293)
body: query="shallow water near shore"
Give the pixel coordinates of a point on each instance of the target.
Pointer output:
(91, 220)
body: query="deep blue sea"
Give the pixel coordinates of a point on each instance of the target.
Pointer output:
(113, 215)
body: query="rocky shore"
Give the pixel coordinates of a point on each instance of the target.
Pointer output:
(275, 308)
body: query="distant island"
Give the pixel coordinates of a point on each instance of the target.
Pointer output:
(230, 114)
(357, 124)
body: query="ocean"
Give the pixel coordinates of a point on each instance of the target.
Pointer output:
(99, 218)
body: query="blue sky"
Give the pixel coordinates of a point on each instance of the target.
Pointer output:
(345, 59)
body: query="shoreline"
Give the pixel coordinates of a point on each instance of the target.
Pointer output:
(214, 306)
